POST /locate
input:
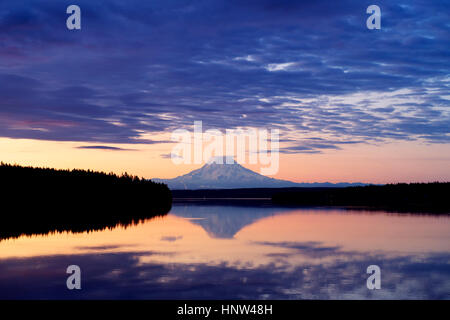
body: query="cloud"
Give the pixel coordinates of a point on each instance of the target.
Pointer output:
(309, 249)
(280, 66)
(105, 148)
(171, 156)
(310, 69)
(131, 275)
(171, 238)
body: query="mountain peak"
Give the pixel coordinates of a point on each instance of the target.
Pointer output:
(221, 160)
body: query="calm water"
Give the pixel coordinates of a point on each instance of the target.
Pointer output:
(238, 252)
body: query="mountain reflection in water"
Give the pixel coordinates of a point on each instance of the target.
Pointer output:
(238, 252)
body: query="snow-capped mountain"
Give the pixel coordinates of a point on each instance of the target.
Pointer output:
(221, 175)
(225, 221)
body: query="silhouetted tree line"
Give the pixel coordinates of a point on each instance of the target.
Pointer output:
(413, 197)
(41, 200)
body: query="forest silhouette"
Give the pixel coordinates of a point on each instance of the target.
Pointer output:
(401, 197)
(43, 200)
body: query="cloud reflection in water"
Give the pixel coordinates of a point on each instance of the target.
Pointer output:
(173, 258)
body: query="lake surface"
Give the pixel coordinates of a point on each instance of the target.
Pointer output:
(236, 251)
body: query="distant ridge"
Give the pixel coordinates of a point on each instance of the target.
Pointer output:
(401, 197)
(222, 175)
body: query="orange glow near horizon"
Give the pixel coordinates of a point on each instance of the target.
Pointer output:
(387, 163)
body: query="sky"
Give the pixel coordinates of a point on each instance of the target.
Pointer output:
(351, 104)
